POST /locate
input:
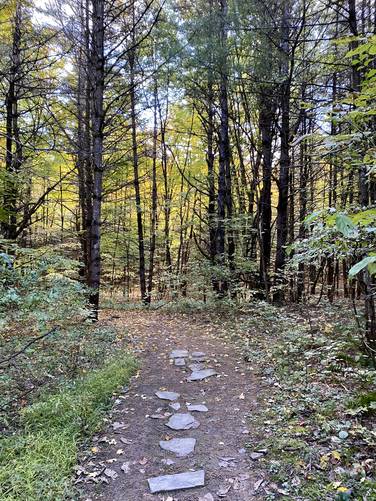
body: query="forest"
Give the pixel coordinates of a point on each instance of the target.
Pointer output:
(187, 241)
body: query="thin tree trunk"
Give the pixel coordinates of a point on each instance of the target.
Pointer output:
(140, 229)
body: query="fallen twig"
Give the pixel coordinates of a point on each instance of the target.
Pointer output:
(34, 340)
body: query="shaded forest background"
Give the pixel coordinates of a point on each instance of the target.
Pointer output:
(208, 150)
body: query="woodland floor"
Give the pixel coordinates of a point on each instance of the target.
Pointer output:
(119, 462)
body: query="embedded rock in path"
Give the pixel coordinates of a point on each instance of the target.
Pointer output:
(197, 366)
(168, 395)
(197, 408)
(207, 497)
(198, 356)
(182, 422)
(203, 374)
(179, 446)
(186, 480)
(179, 354)
(180, 362)
(176, 406)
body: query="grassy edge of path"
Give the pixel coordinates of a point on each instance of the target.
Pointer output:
(37, 462)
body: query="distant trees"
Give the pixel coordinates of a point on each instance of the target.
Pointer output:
(185, 146)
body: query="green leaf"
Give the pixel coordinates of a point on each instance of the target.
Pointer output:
(354, 270)
(311, 217)
(344, 225)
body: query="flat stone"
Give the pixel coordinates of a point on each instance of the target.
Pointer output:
(179, 446)
(197, 366)
(179, 354)
(180, 362)
(198, 356)
(176, 406)
(197, 408)
(182, 422)
(168, 395)
(186, 480)
(203, 374)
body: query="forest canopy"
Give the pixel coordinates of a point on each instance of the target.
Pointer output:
(208, 150)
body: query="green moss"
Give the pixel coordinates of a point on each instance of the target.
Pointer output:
(37, 463)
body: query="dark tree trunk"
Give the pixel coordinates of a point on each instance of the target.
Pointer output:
(284, 162)
(136, 180)
(154, 199)
(224, 179)
(266, 118)
(13, 144)
(97, 85)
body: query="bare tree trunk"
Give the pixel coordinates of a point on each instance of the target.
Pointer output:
(154, 198)
(284, 162)
(13, 156)
(97, 83)
(267, 111)
(140, 229)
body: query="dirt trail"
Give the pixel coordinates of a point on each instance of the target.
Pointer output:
(221, 436)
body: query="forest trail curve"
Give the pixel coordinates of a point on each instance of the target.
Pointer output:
(127, 453)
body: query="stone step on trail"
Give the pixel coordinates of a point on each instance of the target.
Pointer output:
(186, 480)
(179, 362)
(201, 374)
(179, 446)
(182, 421)
(168, 395)
(196, 366)
(198, 356)
(179, 354)
(197, 408)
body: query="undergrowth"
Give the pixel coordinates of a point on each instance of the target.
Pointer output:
(37, 462)
(317, 412)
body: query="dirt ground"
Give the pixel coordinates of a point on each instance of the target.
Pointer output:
(134, 444)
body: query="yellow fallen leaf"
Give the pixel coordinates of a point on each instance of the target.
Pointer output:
(94, 450)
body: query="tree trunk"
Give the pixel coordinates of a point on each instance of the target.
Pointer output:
(284, 162)
(97, 82)
(136, 180)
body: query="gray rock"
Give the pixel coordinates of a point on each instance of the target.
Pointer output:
(178, 481)
(176, 406)
(179, 354)
(197, 366)
(180, 362)
(182, 422)
(207, 497)
(179, 446)
(203, 374)
(197, 408)
(198, 356)
(168, 395)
